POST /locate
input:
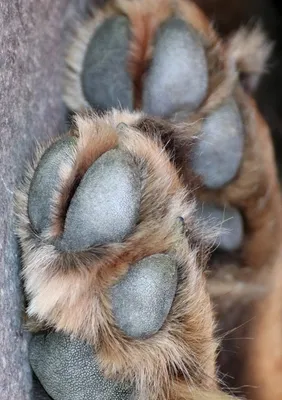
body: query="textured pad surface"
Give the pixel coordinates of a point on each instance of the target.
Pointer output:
(229, 222)
(68, 370)
(219, 148)
(46, 181)
(142, 299)
(105, 205)
(178, 76)
(105, 80)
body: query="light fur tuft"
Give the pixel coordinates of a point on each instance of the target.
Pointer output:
(249, 50)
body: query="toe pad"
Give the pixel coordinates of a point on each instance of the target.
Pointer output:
(105, 206)
(142, 299)
(46, 181)
(178, 76)
(105, 80)
(219, 148)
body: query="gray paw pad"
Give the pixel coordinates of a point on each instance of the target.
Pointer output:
(69, 370)
(219, 149)
(142, 299)
(178, 76)
(229, 222)
(105, 80)
(105, 206)
(46, 180)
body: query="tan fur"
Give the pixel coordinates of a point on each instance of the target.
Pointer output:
(263, 367)
(255, 190)
(145, 18)
(86, 151)
(65, 288)
(248, 305)
(83, 32)
(225, 62)
(69, 291)
(250, 51)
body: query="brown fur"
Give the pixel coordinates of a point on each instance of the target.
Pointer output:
(239, 293)
(228, 16)
(255, 190)
(250, 50)
(246, 294)
(263, 367)
(256, 184)
(63, 289)
(248, 306)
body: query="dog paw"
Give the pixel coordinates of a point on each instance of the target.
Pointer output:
(173, 66)
(113, 253)
(112, 242)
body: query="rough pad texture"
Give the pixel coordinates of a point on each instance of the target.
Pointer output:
(219, 148)
(142, 299)
(70, 371)
(46, 181)
(105, 80)
(179, 62)
(105, 206)
(31, 55)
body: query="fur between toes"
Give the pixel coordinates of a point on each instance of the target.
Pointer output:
(63, 288)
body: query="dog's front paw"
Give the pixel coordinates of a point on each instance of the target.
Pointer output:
(113, 254)
(112, 243)
(165, 59)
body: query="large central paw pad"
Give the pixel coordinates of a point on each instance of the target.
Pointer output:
(105, 206)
